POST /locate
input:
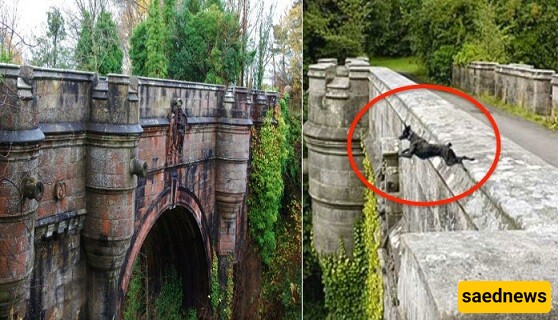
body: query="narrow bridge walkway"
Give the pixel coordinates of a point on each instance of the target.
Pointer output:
(531, 136)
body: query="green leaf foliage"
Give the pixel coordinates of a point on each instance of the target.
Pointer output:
(138, 49)
(85, 58)
(208, 47)
(168, 304)
(156, 63)
(444, 32)
(98, 47)
(134, 305)
(335, 29)
(199, 42)
(108, 51)
(532, 27)
(266, 181)
(353, 285)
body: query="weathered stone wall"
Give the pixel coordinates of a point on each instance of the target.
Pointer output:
(101, 159)
(516, 84)
(421, 271)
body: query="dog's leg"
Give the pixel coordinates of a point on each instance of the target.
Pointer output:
(408, 153)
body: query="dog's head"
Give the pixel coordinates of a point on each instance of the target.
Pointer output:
(406, 133)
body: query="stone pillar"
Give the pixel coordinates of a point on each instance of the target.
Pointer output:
(112, 164)
(259, 107)
(484, 77)
(232, 153)
(540, 94)
(20, 187)
(456, 75)
(336, 94)
(554, 83)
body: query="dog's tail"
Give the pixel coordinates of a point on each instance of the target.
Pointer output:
(467, 158)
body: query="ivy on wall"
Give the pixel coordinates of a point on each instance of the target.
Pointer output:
(266, 181)
(353, 285)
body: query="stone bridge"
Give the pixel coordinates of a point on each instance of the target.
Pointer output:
(97, 172)
(506, 230)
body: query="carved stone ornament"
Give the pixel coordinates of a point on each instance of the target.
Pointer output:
(60, 190)
(178, 122)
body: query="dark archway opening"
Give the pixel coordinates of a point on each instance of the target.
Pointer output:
(172, 255)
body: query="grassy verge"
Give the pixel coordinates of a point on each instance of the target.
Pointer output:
(409, 66)
(547, 122)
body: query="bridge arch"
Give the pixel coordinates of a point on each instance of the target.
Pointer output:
(173, 231)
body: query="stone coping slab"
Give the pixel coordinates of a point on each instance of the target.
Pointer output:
(523, 186)
(433, 263)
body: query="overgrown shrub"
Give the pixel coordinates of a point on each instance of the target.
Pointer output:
(168, 304)
(134, 306)
(532, 29)
(266, 181)
(458, 30)
(439, 64)
(352, 284)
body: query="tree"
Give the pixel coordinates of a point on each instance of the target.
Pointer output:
(107, 45)
(531, 28)
(11, 42)
(138, 49)
(51, 50)
(443, 30)
(156, 64)
(208, 46)
(84, 56)
(98, 47)
(335, 29)
(287, 53)
(56, 31)
(263, 50)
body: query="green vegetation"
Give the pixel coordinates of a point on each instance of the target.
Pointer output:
(194, 43)
(409, 66)
(266, 182)
(168, 304)
(531, 29)
(156, 63)
(227, 313)
(549, 122)
(216, 296)
(347, 296)
(134, 308)
(274, 209)
(98, 46)
(439, 32)
(281, 284)
(50, 50)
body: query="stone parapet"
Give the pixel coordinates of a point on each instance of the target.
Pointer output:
(493, 206)
(432, 265)
(516, 84)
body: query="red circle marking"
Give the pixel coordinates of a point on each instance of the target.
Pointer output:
(422, 203)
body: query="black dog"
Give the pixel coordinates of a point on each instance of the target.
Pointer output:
(424, 150)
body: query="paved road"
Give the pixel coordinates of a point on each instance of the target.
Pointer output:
(531, 136)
